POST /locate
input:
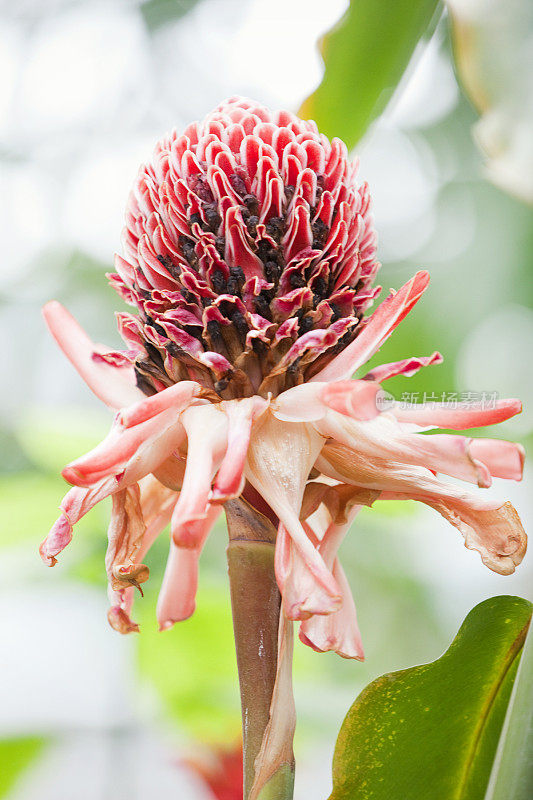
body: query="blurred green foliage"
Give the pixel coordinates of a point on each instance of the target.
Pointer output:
(16, 755)
(365, 56)
(157, 13)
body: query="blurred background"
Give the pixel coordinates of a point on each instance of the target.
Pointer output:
(87, 88)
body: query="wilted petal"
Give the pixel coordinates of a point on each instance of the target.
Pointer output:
(125, 534)
(491, 528)
(157, 503)
(114, 385)
(377, 330)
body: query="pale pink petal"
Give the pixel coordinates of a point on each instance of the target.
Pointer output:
(230, 478)
(338, 631)
(177, 397)
(76, 503)
(457, 456)
(406, 367)
(457, 416)
(302, 595)
(177, 598)
(311, 401)
(504, 459)
(137, 450)
(114, 385)
(280, 457)
(377, 330)
(207, 437)
(300, 404)
(492, 528)
(356, 399)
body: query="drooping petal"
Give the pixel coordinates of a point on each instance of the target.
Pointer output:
(280, 457)
(207, 438)
(338, 631)
(241, 414)
(377, 330)
(457, 456)
(177, 598)
(407, 367)
(492, 528)
(114, 384)
(302, 595)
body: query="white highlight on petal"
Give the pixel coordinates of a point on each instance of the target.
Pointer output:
(280, 457)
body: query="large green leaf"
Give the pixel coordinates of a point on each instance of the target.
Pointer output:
(431, 732)
(365, 56)
(16, 755)
(512, 773)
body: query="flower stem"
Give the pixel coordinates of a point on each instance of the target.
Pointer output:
(255, 602)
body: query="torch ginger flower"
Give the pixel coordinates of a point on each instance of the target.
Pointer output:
(249, 254)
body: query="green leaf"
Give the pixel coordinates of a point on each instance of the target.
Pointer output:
(512, 773)
(365, 56)
(431, 732)
(15, 756)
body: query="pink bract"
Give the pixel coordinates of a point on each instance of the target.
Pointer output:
(250, 257)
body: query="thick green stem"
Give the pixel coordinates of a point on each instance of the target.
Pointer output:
(255, 602)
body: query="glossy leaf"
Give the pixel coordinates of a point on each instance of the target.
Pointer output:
(431, 732)
(365, 56)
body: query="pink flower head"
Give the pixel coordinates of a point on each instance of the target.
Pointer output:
(250, 256)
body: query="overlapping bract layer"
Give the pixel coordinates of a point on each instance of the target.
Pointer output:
(249, 253)
(316, 453)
